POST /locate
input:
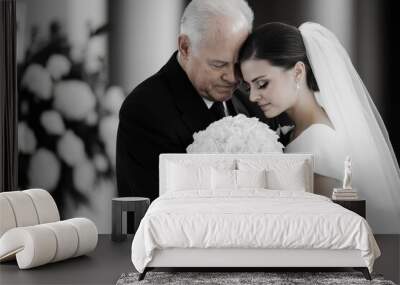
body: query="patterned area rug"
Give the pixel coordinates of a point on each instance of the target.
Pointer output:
(229, 278)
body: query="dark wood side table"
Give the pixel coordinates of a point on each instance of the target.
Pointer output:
(357, 206)
(137, 205)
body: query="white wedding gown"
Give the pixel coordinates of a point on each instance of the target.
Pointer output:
(329, 153)
(358, 130)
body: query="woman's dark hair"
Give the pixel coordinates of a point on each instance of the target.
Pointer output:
(282, 45)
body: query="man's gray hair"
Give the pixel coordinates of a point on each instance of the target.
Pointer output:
(199, 13)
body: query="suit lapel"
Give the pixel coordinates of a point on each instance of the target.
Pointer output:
(193, 110)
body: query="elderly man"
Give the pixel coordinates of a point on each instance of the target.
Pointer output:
(185, 96)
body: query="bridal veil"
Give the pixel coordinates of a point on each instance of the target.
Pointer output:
(357, 121)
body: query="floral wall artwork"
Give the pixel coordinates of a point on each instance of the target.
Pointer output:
(68, 118)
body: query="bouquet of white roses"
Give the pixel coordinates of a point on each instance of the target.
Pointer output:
(238, 134)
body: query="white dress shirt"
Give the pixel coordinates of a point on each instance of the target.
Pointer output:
(209, 103)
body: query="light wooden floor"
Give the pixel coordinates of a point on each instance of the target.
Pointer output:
(110, 260)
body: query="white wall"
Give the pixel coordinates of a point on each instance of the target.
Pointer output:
(337, 16)
(144, 37)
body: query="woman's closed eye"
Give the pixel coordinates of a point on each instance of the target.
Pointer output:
(262, 84)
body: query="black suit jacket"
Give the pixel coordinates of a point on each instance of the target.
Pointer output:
(160, 116)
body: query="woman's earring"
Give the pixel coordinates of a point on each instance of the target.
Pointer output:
(297, 88)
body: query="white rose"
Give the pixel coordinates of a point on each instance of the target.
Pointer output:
(44, 170)
(26, 139)
(74, 99)
(38, 81)
(71, 149)
(58, 66)
(113, 99)
(237, 134)
(52, 123)
(100, 162)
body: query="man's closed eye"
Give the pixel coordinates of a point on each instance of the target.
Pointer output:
(218, 64)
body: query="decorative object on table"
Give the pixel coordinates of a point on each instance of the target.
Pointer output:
(248, 278)
(31, 231)
(238, 134)
(347, 174)
(346, 192)
(137, 205)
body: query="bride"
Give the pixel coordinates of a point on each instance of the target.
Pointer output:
(306, 73)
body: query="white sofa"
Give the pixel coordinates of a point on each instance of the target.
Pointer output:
(31, 231)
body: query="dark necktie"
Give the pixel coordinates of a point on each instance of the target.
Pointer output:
(218, 109)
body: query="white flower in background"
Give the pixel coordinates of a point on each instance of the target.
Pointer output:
(96, 53)
(52, 122)
(108, 134)
(238, 134)
(100, 162)
(77, 52)
(38, 81)
(92, 118)
(84, 176)
(58, 66)
(113, 99)
(44, 170)
(74, 99)
(71, 149)
(26, 139)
